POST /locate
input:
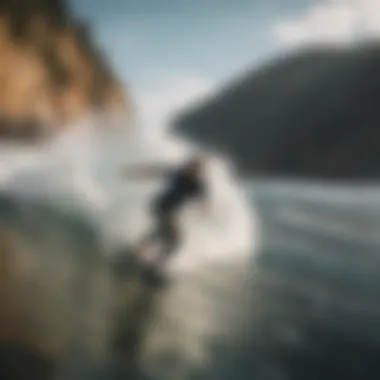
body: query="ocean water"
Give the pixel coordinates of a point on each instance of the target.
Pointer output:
(279, 281)
(315, 309)
(68, 215)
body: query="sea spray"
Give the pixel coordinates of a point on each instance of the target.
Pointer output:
(75, 210)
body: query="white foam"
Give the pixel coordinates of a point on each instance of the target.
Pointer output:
(82, 167)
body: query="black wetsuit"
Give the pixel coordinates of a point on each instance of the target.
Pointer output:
(180, 188)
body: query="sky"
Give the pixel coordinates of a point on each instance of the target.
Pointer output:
(169, 53)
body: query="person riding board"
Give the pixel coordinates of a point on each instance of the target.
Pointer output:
(183, 184)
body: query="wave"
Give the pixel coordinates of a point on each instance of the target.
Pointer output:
(68, 211)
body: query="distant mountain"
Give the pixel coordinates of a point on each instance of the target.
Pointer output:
(51, 72)
(313, 113)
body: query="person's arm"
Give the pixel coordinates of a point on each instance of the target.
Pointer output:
(145, 171)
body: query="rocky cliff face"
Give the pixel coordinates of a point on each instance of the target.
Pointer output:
(312, 114)
(50, 71)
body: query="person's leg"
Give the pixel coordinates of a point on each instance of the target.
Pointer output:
(150, 237)
(169, 238)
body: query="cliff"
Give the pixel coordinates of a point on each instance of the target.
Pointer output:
(311, 114)
(51, 72)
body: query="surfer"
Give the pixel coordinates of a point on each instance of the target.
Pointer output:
(183, 184)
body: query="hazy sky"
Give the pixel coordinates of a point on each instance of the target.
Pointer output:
(168, 52)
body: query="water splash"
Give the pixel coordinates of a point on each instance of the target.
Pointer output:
(78, 173)
(82, 168)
